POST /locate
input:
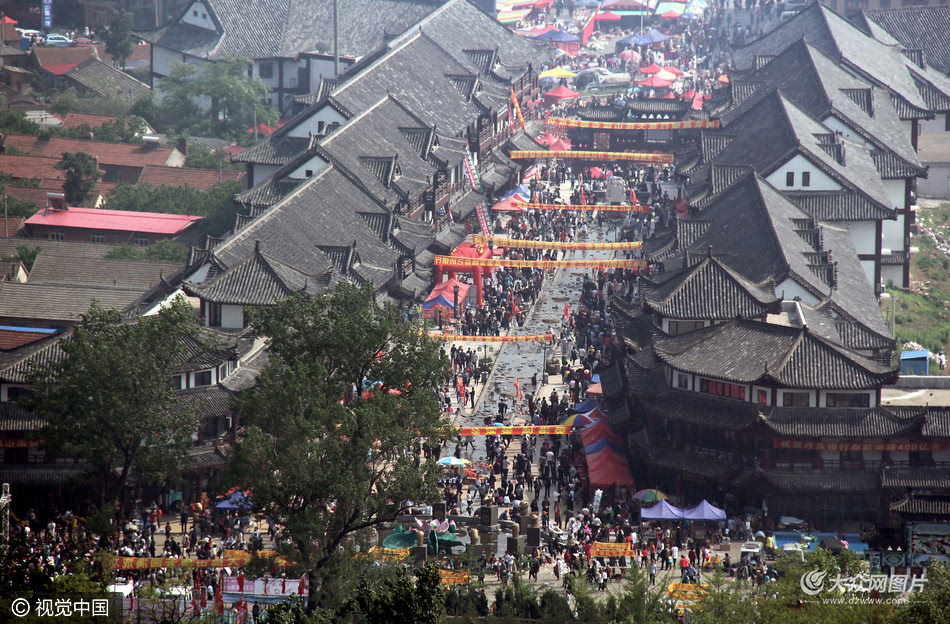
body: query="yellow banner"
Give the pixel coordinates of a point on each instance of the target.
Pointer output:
(532, 429)
(454, 577)
(454, 261)
(647, 125)
(464, 338)
(514, 243)
(145, 563)
(610, 549)
(643, 157)
(588, 207)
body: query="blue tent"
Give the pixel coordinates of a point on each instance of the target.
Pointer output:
(586, 406)
(590, 449)
(235, 500)
(662, 511)
(632, 40)
(558, 36)
(705, 511)
(655, 36)
(438, 300)
(518, 190)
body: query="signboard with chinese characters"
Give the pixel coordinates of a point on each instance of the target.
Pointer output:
(815, 445)
(928, 542)
(47, 14)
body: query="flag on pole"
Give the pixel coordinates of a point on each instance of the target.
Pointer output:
(567, 310)
(583, 198)
(517, 106)
(518, 393)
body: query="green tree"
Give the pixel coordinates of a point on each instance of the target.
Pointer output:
(162, 251)
(415, 598)
(118, 36)
(82, 173)
(216, 204)
(178, 111)
(327, 469)
(109, 402)
(27, 256)
(237, 100)
(13, 121)
(932, 605)
(200, 157)
(65, 103)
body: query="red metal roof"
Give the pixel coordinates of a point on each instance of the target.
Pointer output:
(116, 220)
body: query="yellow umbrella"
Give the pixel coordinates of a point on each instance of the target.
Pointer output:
(557, 72)
(665, 75)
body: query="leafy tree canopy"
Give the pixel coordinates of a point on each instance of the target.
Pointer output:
(118, 36)
(82, 173)
(216, 204)
(162, 251)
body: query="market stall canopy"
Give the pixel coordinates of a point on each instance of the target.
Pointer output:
(670, 15)
(598, 430)
(665, 75)
(649, 496)
(669, 96)
(547, 139)
(705, 511)
(672, 70)
(561, 93)
(606, 468)
(605, 443)
(558, 36)
(652, 68)
(662, 511)
(655, 36)
(509, 205)
(235, 500)
(586, 406)
(629, 55)
(557, 72)
(595, 389)
(625, 5)
(561, 145)
(607, 16)
(654, 83)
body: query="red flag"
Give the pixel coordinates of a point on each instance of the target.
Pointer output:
(583, 199)
(283, 586)
(567, 310)
(204, 598)
(131, 602)
(194, 603)
(241, 582)
(633, 196)
(219, 599)
(302, 585)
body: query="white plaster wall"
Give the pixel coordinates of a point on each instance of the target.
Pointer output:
(199, 15)
(938, 124)
(863, 234)
(893, 234)
(327, 115)
(893, 273)
(232, 317)
(895, 193)
(937, 182)
(789, 289)
(314, 165)
(798, 164)
(262, 172)
(908, 129)
(833, 123)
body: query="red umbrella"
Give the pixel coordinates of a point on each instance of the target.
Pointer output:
(670, 14)
(607, 16)
(673, 70)
(547, 139)
(652, 68)
(697, 103)
(10, 20)
(596, 172)
(669, 96)
(654, 83)
(560, 145)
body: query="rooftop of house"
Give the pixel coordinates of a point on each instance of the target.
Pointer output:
(115, 154)
(114, 220)
(188, 176)
(258, 29)
(60, 60)
(922, 28)
(107, 81)
(59, 303)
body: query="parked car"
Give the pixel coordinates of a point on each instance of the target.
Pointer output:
(83, 43)
(58, 41)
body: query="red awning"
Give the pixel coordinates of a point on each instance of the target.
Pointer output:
(652, 68)
(654, 83)
(561, 93)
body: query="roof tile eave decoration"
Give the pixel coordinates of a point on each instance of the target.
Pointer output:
(744, 351)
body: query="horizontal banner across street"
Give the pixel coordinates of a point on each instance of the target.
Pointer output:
(464, 338)
(515, 243)
(611, 549)
(641, 125)
(146, 563)
(587, 207)
(532, 429)
(642, 157)
(456, 261)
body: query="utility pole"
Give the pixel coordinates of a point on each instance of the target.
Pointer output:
(336, 38)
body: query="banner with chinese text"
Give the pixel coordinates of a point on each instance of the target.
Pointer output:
(619, 125)
(642, 157)
(514, 243)
(525, 429)
(464, 338)
(454, 261)
(482, 218)
(610, 549)
(454, 577)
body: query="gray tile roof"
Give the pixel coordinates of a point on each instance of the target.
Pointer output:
(822, 88)
(107, 81)
(707, 290)
(209, 401)
(60, 303)
(913, 506)
(258, 280)
(917, 27)
(916, 478)
(831, 422)
(818, 482)
(258, 29)
(751, 351)
(50, 268)
(845, 43)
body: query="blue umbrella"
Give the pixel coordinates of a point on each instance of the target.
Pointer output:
(498, 424)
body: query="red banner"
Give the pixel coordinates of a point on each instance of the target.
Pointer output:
(19, 443)
(464, 338)
(647, 125)
(611, 549)
(482, 219)
(514, 243)
(514, 101)
(814, 445)
(590, 207)
(532, 429)
(454, 261)
(643, 157)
